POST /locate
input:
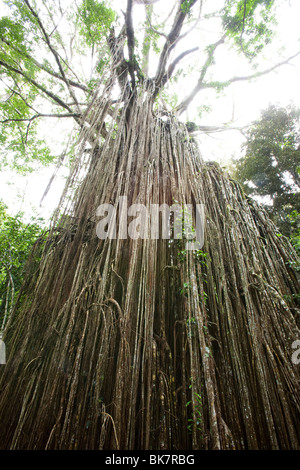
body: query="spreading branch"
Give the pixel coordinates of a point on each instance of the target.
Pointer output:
(171, 41)
(116, 45)
(254, 75)
(201, 85)
(40, 87)
(195, 23)
(173, 65)
(53, 51)
(208, 62)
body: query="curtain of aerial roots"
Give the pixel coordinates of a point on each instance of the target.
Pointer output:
(140, 344)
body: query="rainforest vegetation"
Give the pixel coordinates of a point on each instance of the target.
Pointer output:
(138, 343)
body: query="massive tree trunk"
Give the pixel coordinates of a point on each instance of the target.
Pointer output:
(141, 344)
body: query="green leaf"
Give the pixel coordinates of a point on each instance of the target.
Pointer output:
(16, 242)
(249, 24)
(95, 20)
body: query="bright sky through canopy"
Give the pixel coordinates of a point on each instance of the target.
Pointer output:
(237, 106)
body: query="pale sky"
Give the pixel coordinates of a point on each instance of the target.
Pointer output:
(243, 101)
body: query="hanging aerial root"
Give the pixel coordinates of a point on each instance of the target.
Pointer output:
(143, 344)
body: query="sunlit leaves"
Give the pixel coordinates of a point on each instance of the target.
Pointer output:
(14, 46)
(270, 165)
(186, 5)
(21, 15)
(21, 148)
(16, 241)
(95, 20)
(12, 31)
(249, 23)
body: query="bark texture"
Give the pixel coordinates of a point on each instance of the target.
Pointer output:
(140, 344)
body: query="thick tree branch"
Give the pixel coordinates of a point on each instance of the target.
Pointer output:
(159, 33)
(149, 10)
(171, 41)
(173, 65)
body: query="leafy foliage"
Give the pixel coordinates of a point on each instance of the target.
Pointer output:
(53, 55)
(35, 69)
(249, 23)
(20, 146)
(270, 167)
(95, 20)
(186, 5)
(295, 232)
(14, 34)
(16, 242)
(174, 335)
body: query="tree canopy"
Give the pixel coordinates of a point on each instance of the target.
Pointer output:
(270, 167)
(139, 342)
(53, 54)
